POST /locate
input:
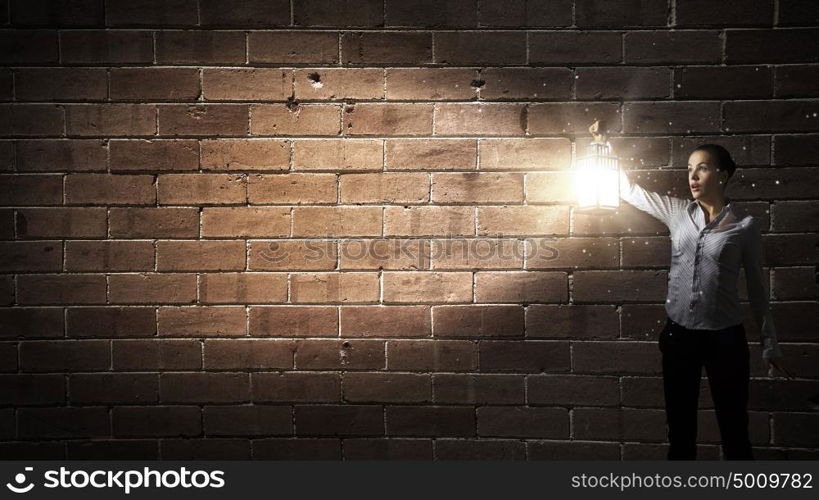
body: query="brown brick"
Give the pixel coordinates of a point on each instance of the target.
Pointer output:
(200, 47)
(29, 46)
(796, 216)
(432, 355)
(154, 222)
(226, 288)
(157, 354)
(296, 387)
(422, 420)
(774, 183)
(618, 83)
(384, 188)
(686, 117)
(387, 119)
(524, 421)
(110, 189)
(295, 189)
(395, 254)
(30, 120)
(524, 356)
(106, 47)
(204, 387)
(248, 354)
(61, 84)
(154, 84)
(154, 155)
(523, 286)
(673, 47)
(391, 48)
(478, 321)
(110, 119)
(430, 83)
(575, 47)
(339, 420)
(295, 321)
(546, 253)
(200, 255)
(35, 189)
(300, 119)
(246, 84)
(482, 388)
(557, 118)
(245, 154)
(155, 421)
(347, 287)
(431, 154)
(724, 82)
(619, 286)
(329, 13)
(474, 187)
(254, 420)
(46, 155)
(522, 13)
(480, 119)
(795, 81)
(526, 83)
(797, 45)
(337, 221)
(30, 256)
(704, 13)
(61, 289)
(289, 47)
(616, 357)
(477, 253)
(7, 155)
(457, 14)
(109, 255)
(523, 220)
(203, 119)
(292, 255)
(387, 387)
(572, 321)
(31, 322)
(107, 388)
(427, 286)
(385, 321)
(550, 187)
(110, 322)
(152, 13)
(429, 221)
(185, 189)
(202, 320)
(245, 221)
(150, 288)
(65, 355)
(329, 354)
(571, 390)
(255, 13)
(58, 222)
(65, 423)
(339, 83)
(644, 252)
(460, 48)
(26, 389)
(796, 149)
(788, 115)
(338, 154)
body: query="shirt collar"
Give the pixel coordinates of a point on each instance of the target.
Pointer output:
(696, 211)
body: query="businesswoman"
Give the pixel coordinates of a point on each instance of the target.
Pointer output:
(704, 327)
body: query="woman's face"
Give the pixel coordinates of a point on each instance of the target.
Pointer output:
(704, 180)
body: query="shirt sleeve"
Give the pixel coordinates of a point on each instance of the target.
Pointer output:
(752, 258)
(660, 206)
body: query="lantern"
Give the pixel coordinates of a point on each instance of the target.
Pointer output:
(596, 177)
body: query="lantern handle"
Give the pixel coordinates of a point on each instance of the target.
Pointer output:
(599, 138)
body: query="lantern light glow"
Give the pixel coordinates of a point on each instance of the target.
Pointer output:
(596, 177)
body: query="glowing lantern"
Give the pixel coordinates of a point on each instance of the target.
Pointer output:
(596, 176)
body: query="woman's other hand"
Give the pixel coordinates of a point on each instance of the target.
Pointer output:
(777, 363)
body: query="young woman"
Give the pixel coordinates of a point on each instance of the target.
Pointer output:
(704, 326)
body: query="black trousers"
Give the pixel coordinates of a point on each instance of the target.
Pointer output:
(725, 355)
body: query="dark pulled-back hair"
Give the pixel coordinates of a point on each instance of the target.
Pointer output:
(724, 160)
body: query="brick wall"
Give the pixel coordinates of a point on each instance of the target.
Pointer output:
(323, 229)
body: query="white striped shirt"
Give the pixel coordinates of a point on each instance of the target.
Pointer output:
(705, 262)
